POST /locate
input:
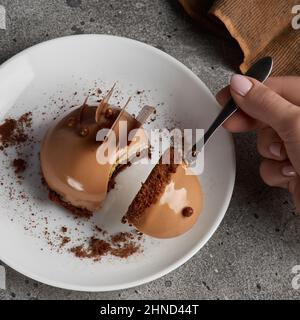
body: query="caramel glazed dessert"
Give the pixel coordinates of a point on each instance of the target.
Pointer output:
(167, 205)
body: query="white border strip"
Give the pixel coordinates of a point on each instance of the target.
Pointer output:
(2, 278)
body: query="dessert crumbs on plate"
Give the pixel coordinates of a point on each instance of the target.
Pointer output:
(121, 237)
(18, 134)
(20, 165)
(64, 241)
(13, 132)
(122, 245)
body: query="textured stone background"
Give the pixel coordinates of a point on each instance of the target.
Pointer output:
(252, 253)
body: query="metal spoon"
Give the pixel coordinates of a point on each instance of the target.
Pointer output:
(259, 71)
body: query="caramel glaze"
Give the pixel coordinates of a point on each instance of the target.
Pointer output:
(68, 157)
(169, 190)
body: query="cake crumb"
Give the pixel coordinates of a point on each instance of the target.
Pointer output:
(20, 165)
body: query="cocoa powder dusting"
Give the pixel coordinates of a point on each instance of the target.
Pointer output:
(121, 237)
(18, 133)
(12, 132)
(99, 248)
(20, 165)
(6, 130)
(126, 251)
(79, 252)
(120, 245)
(65, 240)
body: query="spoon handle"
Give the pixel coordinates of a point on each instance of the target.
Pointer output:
(259, 71)
(228, 110)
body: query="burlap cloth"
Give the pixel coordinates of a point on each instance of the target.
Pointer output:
(261, 28)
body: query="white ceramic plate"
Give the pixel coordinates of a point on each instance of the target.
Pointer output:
(44, 79)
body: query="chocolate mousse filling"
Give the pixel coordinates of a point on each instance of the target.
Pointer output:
(82, 212)
(79, 212)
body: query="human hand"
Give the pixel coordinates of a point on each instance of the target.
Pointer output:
(273, 110)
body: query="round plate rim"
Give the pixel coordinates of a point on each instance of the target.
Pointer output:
(190, 253)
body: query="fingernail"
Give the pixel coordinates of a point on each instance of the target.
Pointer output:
(275, 149)
(240, 84)
(289, 171)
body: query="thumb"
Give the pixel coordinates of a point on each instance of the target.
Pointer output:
(263, 104)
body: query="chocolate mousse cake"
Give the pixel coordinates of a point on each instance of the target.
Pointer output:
(77, 177)
(168, 203)
(79, 174)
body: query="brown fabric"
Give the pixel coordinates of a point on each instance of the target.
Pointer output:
(261, 28)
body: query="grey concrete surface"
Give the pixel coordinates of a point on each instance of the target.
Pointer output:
(252, 253)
